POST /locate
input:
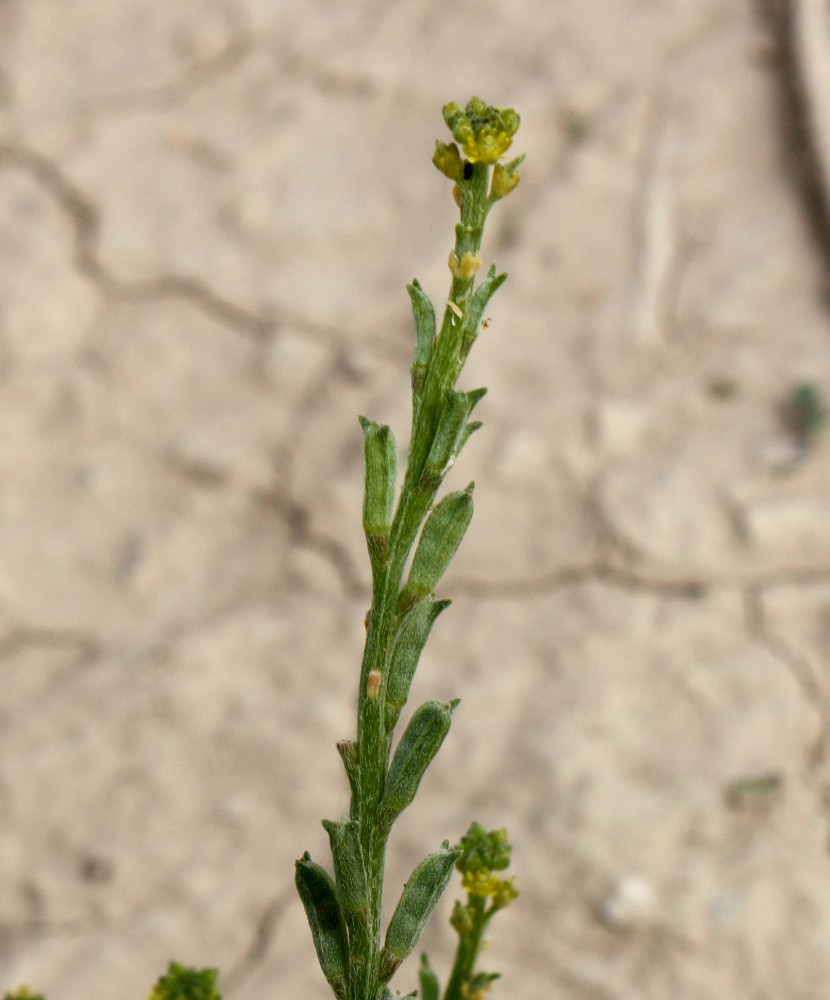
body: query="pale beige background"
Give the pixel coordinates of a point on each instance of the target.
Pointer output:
(208, 212)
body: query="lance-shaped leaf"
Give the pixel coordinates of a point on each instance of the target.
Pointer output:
(481, 983)
(419, 898)
(441, 536)
(467, 432)
(420, 742)
(379, 487)
(430, 988)
(446, 443)
(478, 303)
(406, 654)
(348, 754)
(349, 869)
(319, 898)
(424, 314)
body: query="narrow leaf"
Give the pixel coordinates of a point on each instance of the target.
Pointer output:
(424, 313)
(319, 898)
(420, 742)
(419, 898)
(440, 538)
(427, 980)
(406, 654)
(379, 487)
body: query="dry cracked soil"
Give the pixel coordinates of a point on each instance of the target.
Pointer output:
(208, 212)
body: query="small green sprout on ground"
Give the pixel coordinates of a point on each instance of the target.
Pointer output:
(23, 993)
(805, 413)
(182, 983)
(575, 125)
(344, 910)
(755, 793)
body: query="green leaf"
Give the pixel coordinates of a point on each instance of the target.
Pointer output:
(420, 742)
(487, 288)
(440, 538)
(419, 898)
(349, 869)
(428, 981)
(379, 487)
(348, 754)
(424, 313)
(445, 445)
(406, 653)
(319, 897)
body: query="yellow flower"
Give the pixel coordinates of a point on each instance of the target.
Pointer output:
(487, 146)
(481, 883)
(484, 132)
(485, 883)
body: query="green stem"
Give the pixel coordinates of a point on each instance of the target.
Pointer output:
(469, 945)
(385, 617)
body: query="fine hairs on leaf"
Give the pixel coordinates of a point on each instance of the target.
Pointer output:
(384, 769)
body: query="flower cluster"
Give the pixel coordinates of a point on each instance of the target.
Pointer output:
(485, 133)
(482, 855)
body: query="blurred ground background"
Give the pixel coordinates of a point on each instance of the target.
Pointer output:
(208, 212)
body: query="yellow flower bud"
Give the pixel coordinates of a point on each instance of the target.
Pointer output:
(448, 160)
(466, 267)
(503, 183)
(505, 178)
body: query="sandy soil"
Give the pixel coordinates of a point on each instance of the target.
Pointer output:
(208, 212)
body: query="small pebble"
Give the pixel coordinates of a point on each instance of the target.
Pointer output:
(630, 904)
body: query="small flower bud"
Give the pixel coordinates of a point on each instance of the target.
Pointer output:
(461, 918)
(448, 160)
(466, 267)
(505, 893)
(505, 178)
(458, 197)
(503, 183)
